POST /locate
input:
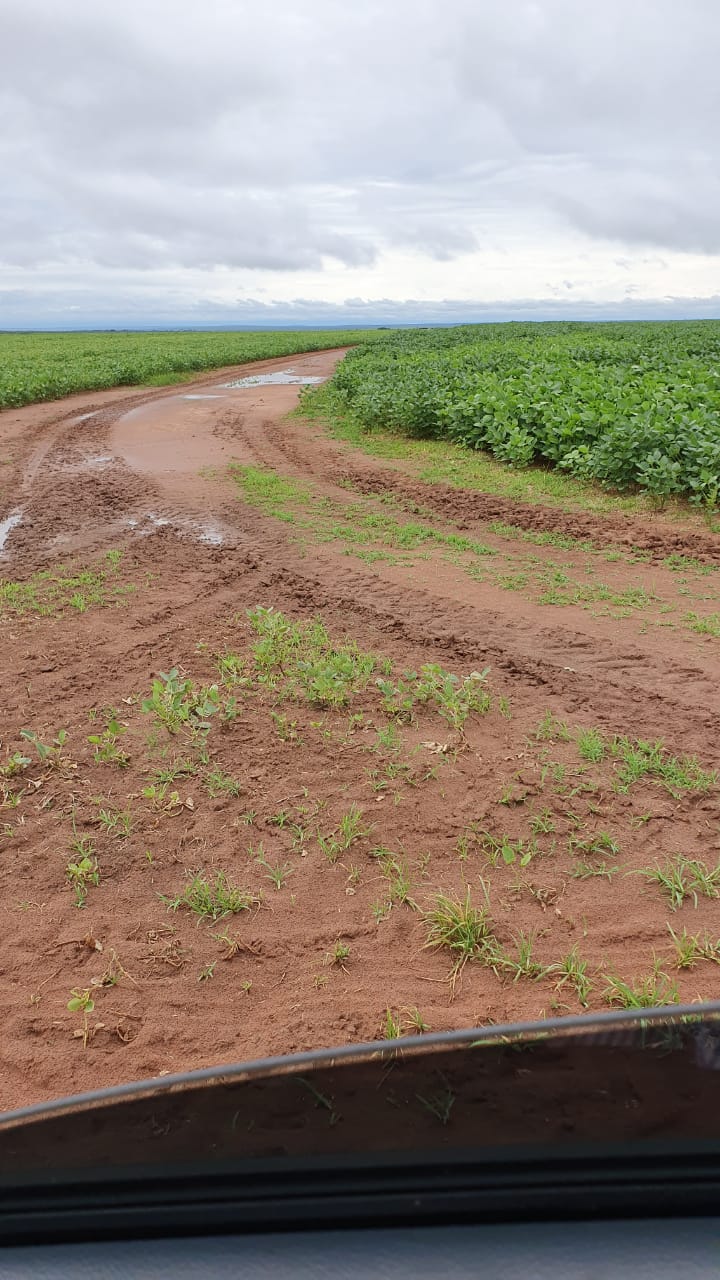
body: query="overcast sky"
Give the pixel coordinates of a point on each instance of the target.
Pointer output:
(235, 161)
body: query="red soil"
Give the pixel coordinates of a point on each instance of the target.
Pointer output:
(110, 481)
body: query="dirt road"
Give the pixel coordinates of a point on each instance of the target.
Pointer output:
(140, 528)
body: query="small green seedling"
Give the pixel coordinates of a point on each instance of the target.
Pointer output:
(116, 822)
(392, 1029)
(350, 829)
(572, 971)
(47, 754)
(80, 1001)
(339, 955)
(14, 764)
(83, 873)
(105, 744)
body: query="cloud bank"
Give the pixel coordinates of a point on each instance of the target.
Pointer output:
(182, 160)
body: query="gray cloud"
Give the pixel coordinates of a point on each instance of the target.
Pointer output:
(149, 137)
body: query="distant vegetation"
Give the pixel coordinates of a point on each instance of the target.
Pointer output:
(45, 366)
(629, 405)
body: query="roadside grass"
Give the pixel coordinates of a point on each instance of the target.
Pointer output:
(212, 899)
(54, 592)
(690, 948)
(709, 625)
(372, 535)
(361, 530)
(467, 931)
(635, 759)
(572, 972)
(682, 878)
(643, 992)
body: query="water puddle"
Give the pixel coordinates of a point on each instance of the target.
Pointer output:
(204, 396)
(207, 532)
(84, 416)
(285, 378)
(91, 462)
(7, 525)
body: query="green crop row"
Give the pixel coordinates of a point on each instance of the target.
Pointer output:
(45, 366)
(629, 405)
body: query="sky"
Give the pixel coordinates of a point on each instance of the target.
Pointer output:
(390, 161)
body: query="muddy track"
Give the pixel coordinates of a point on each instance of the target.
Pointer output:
(144, 473)
(468, 508)
(607, 675)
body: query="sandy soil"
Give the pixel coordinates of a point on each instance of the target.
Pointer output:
(599, 631)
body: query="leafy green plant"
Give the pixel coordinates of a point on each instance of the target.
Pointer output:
(452, 697)
(14, 765)
(627, 406)
(48, 753)
(176, 704)
(508, 851)
(80, 1001)
(162, 800)
(339, 955)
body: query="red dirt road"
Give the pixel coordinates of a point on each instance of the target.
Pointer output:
(600, 631)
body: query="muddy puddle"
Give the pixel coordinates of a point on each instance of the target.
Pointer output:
(7, 525)
(205, 531)
(284, 378)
